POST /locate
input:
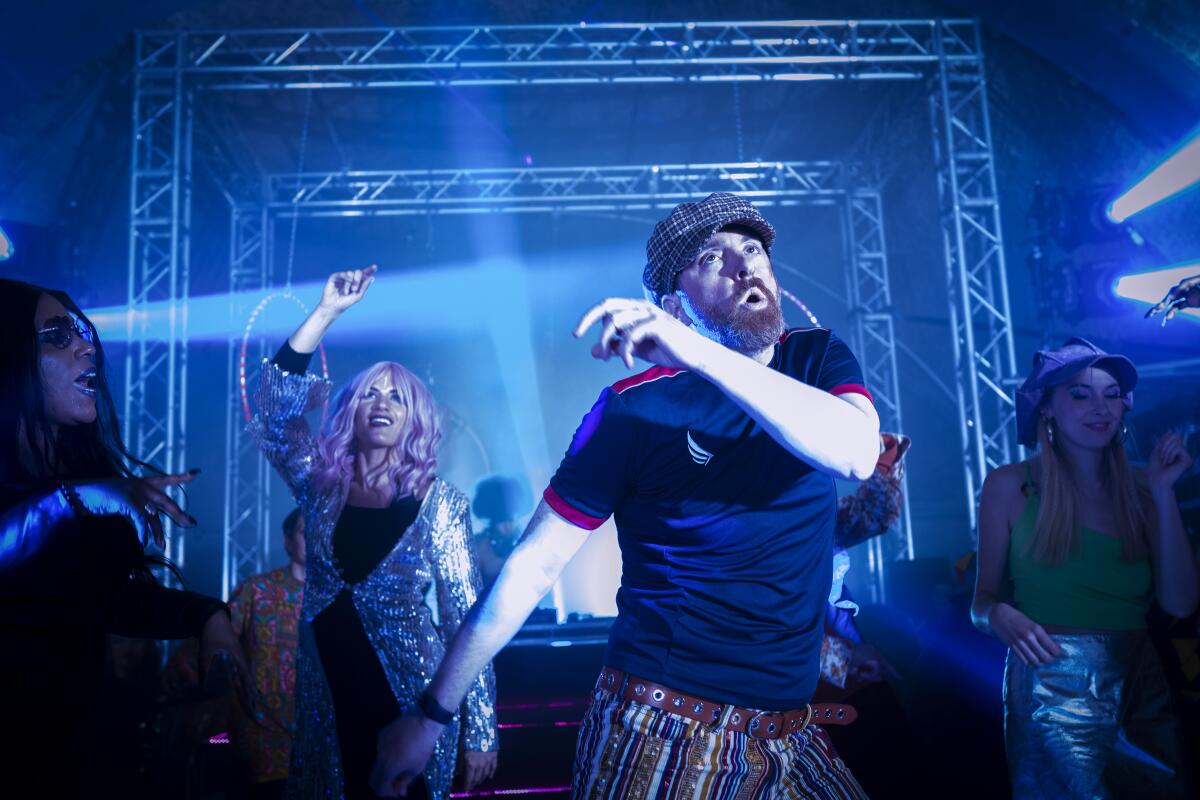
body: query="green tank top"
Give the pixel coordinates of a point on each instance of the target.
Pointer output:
(1093, 588)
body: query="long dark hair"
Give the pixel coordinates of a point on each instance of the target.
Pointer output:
(93, 451)
(77, 452)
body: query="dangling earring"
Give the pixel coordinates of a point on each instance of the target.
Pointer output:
(1050, 431)
(1124, 433)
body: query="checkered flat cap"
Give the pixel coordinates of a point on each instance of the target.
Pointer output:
(677, 239)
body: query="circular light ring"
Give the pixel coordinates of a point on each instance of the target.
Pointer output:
(284, 294)
(807, 312)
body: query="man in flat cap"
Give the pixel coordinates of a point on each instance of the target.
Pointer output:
(718, 464)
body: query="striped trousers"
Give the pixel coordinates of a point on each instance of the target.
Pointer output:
(632, 751)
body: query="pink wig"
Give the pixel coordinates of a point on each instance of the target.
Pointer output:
(411, 464)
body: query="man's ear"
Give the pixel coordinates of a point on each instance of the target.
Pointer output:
(673, 305)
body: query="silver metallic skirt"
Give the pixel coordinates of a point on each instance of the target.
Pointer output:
(1099, 722)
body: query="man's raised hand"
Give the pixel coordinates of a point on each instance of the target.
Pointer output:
(1185, 294)
(639, 329)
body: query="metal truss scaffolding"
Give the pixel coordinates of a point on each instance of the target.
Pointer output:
(578, 189)
(870, 298)
(159, 222)
(246, 545)
(977, 283)
(172, 67)
(541, 189)
(380, 57)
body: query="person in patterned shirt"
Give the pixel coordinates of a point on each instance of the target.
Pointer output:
(266, 613)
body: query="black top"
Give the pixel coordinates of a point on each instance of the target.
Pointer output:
(289, 360)
(726, 537)
(363, 701)
(85, 578)
(364, 536)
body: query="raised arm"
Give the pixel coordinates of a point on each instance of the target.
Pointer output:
(285, 392)
(836, 434)
(342, 290)
(1171, 556)
(1185, 294)
(550, 541)
(876, 503)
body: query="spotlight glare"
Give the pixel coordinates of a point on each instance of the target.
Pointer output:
(6, 246)
(1177, 173)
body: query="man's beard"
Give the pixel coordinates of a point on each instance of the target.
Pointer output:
(741, 328)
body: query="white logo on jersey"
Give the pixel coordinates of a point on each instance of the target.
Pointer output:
(698, 453)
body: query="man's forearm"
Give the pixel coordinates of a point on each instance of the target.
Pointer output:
(483, 633)
(815, 426)
(528, 574)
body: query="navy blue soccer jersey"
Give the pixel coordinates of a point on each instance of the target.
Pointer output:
(726, 537)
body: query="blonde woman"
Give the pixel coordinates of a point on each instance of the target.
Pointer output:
(1074, 546)
(380, 528)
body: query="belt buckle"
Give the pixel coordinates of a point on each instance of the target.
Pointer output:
(752, 724)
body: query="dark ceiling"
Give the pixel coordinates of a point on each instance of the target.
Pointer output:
(1143, 56)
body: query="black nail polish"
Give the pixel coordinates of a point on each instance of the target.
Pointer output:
(194, 471)
(193, 520)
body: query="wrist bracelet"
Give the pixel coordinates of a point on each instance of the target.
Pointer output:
(433, 710)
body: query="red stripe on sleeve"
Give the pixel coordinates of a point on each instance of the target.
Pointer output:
(652, 374)
(570, 513)
(855, 388)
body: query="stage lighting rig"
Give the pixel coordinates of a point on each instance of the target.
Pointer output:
(1078, 252)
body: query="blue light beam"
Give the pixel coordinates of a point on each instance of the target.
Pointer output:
(450, 298)
(492, 297)
(1177, 173)
(1149, 287)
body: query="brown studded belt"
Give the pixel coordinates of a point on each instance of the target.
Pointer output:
(755, 723)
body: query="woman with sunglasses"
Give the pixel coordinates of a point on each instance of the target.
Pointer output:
(74, 522)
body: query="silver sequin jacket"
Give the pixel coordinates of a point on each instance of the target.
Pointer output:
(390, 601)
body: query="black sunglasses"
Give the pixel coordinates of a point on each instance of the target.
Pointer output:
(58, 331)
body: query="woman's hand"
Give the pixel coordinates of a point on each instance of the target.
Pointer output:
(1167, 462)
(222, 659)
(142, 500)
(344, 289)
(477, 768)
(1025, 637)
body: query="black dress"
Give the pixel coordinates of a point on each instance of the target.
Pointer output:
(363, 702)
(74, 582)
